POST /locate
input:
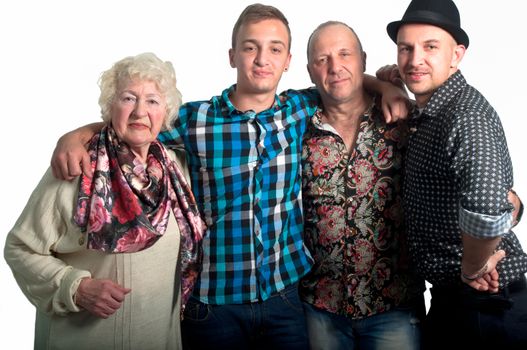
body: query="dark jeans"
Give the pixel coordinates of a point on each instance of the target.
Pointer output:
(276, 323)
(463, 318)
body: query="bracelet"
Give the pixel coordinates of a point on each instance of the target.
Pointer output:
(475, 276)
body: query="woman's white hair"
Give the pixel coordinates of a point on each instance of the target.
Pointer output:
(143, 67)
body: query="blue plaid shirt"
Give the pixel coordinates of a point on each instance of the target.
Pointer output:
(246, 176)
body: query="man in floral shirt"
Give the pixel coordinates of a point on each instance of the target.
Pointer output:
(361, 290)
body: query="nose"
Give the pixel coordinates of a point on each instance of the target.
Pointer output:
(140, 108)
(260, 58)
(334, 65)
(417, 55)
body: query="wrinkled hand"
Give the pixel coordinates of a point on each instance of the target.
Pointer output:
(100, 297)
(390, 73)
(489, 280)
(70, 158)
(395, 103)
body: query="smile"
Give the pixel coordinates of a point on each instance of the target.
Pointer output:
(262, 74)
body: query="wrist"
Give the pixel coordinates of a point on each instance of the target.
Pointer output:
(475, 275)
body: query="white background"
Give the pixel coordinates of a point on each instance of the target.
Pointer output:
(52, 53)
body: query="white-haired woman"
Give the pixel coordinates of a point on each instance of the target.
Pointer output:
(108, 260)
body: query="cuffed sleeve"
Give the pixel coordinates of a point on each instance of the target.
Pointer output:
(64, 298)
(484, 226)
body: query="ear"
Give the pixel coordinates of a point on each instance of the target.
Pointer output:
(288, 61)
(457, 55)
(310, 75)
(364, 61)
(231, 58)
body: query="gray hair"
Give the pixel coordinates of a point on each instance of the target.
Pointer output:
(144, 67)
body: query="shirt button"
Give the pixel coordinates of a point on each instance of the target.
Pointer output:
(82, 240)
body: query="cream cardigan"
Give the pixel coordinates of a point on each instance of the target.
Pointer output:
(47, 254)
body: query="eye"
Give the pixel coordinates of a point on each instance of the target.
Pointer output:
(322, 60)
(276, 50)
(128, 98)
(248, 48)
(152, 101)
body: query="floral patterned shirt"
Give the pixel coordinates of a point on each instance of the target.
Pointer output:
(354, 225)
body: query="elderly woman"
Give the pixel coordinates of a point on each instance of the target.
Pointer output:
(106, 260)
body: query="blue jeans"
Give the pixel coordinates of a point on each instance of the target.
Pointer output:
(276, 323)
(396, 329)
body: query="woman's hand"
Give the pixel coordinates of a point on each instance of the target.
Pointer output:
(100, 297)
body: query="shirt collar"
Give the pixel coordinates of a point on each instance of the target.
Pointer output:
(320, 124)
(225, 100)
(442, 96)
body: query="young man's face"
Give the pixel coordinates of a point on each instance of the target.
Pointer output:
(336, 64)
(427, 55)
(260, 57)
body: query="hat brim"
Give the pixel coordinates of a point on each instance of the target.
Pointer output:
(459, 34)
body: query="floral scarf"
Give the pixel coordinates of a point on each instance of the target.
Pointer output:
(125, 207)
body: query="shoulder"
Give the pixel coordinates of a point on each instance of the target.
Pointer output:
(309, 95)
(50, 188)
(470, 104)
(50, 205)
(190, 107)
(202, 106)
(179, 157)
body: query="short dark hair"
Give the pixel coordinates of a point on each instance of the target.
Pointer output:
(256, 13)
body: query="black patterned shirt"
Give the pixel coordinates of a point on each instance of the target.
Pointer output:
(458, 174)
(353, 219)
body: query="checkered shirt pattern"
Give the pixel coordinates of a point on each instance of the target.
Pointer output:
(246, 176)
(484, 226)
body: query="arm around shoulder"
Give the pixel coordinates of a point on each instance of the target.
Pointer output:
(395, 103)
(70, 157)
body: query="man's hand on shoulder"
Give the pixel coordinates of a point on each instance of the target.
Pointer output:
(395, 101)
(70, 158)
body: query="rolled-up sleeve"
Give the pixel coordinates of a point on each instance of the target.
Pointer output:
(482, 168)
(484, 226)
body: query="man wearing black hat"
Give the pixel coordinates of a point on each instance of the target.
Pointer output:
(458, 174)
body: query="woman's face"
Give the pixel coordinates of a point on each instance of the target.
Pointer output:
(137, 115)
